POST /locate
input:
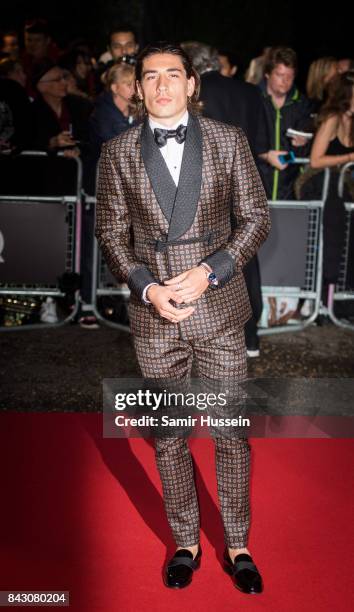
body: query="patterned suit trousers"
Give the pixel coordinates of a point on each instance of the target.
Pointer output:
(218, 358)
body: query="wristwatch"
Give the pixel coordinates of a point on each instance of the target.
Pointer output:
(210, 275)
(212, 280)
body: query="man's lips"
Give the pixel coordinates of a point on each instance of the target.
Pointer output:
(163, 100)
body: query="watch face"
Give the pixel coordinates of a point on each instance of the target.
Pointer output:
(213, 282)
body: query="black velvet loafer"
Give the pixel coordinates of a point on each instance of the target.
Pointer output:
(179, 570)
(245, 575)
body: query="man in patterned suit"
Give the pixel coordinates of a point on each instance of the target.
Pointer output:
(166, 193)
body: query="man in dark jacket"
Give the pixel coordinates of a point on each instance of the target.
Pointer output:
(240, 104)
(233, 102)
(284, 108)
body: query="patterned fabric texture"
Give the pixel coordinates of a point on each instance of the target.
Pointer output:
(149, 231)
(218, 358)
(221, 184)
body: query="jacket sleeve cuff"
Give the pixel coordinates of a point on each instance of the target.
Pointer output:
(223, 266)
(139, 278)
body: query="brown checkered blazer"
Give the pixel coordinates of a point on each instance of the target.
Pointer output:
(149, 231)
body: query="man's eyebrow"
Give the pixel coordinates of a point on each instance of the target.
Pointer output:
(156, 71)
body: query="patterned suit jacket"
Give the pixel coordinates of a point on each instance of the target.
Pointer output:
(149, 231)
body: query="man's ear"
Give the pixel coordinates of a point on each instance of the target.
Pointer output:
(139, 90)
(190, 86)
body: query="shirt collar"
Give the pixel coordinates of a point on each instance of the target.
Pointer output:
(182, 121)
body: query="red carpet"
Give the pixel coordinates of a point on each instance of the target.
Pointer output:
(85, 514)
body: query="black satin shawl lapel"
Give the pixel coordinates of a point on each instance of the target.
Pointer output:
(160, 178)
(190, 180)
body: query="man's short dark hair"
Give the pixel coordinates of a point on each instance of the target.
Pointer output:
(122, 27)
(174, 49)
(280, 55)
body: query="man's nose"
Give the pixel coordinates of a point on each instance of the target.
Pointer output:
(162, 83)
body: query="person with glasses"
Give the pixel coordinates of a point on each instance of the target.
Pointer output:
(60, 120)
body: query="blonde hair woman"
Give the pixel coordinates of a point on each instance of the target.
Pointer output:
(321, 72)
(113, 112)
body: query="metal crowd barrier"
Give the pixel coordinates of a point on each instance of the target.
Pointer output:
(105, 284)
(56, 223)
(299, 275)
(280, 277)
(342, 291)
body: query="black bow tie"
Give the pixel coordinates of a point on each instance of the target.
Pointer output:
(161, 135)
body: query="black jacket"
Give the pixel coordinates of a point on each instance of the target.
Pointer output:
(233, 102)
(106, 122)
(272, 136)
(15, 114)
(46, 124)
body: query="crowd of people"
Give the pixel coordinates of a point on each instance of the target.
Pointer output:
(69, 101)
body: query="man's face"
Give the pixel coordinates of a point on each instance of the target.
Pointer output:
(53, 83)
(10, 45)
(164, 87)
(280, 80)
(36, 44)
(122, 43)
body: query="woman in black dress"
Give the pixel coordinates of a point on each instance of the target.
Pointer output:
(333, 147)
